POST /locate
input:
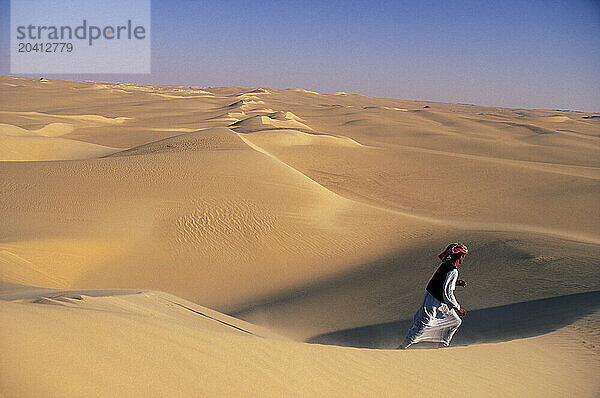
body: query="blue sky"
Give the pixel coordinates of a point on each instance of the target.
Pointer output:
(533, 54)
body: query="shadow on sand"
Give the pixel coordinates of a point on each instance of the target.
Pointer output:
(507, 322)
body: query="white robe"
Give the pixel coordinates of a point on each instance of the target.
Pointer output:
(435, 321)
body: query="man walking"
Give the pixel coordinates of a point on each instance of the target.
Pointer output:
(439, 316)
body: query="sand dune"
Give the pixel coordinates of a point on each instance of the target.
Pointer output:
(19, 144)
(501, 323)
(95, 119)
(301, 90)
(153, 343)
(289, 137)
(503, 269)
(204, 140)
(317, 217)
(282, 115)
(249, 104)
(49, 130)
(170, 206)
(258, 122)
(230, 116)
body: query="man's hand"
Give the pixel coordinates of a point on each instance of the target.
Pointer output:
(462, 283)
(462, 312)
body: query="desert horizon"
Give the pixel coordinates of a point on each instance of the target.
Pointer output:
(229, 241)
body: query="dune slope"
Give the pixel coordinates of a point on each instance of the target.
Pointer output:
(192, 214)
(153, 343)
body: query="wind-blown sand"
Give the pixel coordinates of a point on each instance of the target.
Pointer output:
(312, 217)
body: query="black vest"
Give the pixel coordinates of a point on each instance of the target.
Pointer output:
(435, 287)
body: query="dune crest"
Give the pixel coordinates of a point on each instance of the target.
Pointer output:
(278, 120)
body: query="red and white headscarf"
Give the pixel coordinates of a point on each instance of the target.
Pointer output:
(453, 248)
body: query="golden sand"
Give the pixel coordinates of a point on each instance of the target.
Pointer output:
(304, 214)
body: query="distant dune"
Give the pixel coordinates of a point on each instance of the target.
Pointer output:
(17, 143)
(134, 218)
